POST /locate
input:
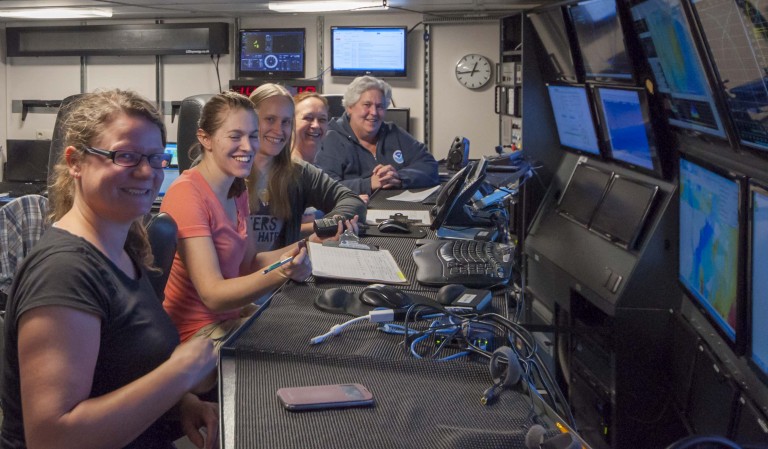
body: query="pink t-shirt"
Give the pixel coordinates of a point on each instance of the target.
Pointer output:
(198, 213)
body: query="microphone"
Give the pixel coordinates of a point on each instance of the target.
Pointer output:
(534, 439)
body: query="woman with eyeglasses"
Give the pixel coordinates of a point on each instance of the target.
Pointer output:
(91, 358)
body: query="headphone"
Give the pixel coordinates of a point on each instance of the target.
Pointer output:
(506, 372)
(458, 154)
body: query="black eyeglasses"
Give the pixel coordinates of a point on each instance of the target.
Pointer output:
(132, 159)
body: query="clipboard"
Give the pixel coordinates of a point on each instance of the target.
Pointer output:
(365, 265)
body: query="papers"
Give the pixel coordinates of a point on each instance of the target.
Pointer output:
(414, 197)
(375, 216)
(354, 264)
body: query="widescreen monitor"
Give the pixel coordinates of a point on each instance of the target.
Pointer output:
(584, 192)
(664, 31)
(550, 26)
(600, 38)
(375, 51)
(624, 210)
(710, 245)
(574, 119)
(758, 283)
(169, 175)
(271, 53)
(27, 160)
(626, 127)
(735, 34)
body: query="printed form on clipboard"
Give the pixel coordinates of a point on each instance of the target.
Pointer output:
(355, 264)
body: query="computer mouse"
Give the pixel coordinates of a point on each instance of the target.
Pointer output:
(380, 295)
(449, 293)
(394, 226)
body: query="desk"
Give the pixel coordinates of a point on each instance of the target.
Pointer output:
(419, 403)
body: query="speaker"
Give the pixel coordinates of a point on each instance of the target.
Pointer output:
(458, 155)
(119, 40)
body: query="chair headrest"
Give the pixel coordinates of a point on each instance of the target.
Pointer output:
(189, 117)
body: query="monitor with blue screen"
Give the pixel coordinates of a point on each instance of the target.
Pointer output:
(627, 127)
(710, 245)
(574, 119)
(600, 38)
(170, 175)
(759, 278)
(678, 68)
(171, 149)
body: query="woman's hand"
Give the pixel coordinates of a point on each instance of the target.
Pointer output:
(196, 415)
(298, 269)
(385, 177)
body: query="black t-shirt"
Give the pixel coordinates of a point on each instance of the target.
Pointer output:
(136, 333)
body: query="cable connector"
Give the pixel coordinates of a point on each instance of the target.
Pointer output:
(374, 316)
(381, 315)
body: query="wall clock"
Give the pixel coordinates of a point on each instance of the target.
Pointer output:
(473, 71)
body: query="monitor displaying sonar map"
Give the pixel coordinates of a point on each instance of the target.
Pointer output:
(710, 243)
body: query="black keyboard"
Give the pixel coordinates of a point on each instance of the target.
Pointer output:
(468, 262)
(17, 189)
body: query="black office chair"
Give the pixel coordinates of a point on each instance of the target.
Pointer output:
(57, 139)
(161, 230)
(189, 118)
(704, 442)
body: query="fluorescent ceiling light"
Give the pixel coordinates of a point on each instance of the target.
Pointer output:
(56, 13)
(325, 6)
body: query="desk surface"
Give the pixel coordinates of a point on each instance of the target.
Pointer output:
(420, 403)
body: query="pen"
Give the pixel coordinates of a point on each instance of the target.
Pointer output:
(277, 264)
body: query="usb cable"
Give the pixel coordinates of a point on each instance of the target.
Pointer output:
(382, 315)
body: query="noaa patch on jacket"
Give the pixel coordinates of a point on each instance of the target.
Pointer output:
(398, 157)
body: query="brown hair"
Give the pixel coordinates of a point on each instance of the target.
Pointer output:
(212, 117)
(88, 118)
(283, 172)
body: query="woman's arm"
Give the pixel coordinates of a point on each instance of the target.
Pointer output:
(220, 294)
(58, 348)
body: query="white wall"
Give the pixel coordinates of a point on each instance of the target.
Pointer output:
(455, 110)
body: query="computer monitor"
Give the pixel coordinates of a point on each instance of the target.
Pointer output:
(369, 50)
(172, 149)
(271, 53)
(677, 66)
(734, 31)
(400, 117)
(711, 241)
(457, 192)
(758, 277)
(624, 210)
(170, 175)
(574, 118)
(626, 127)
(600, 38)
(583, 193)
(551, 29)
(27, 160)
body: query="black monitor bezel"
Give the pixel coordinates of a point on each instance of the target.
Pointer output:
(648, 208)
(267, 74)
(601, 154)
(14, 146)
(739, 343)
(578, 69)
(656, 160)
(564, 213)
(753, 186)
(379, 73)
(619, 80)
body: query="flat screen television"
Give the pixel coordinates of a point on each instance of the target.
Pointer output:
(27, 160)
(758, 277)
(551, 29)
(711, 246)
(583, 193)
(574, 118)
(626, 128)
(622, 213)
(367, 50)
(678, 68)
(600, 38)
(274, 53)
(734, 32)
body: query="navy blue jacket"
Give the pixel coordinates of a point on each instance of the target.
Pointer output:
(343, 158)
